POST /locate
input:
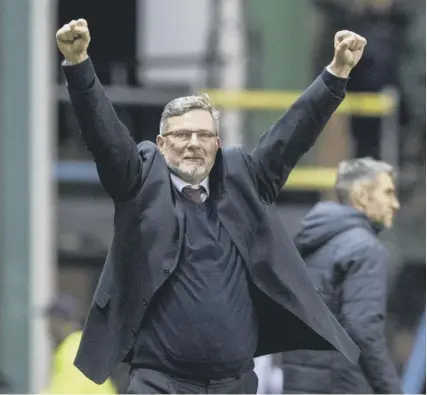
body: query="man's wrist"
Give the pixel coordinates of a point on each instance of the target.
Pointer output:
(73, 60)
(338, 71)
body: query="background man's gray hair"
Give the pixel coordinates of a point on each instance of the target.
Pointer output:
(355, 170)
(182, 105)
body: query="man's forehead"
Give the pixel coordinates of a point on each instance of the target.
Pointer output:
(194, 119)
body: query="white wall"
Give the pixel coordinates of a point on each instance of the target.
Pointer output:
(173, 27)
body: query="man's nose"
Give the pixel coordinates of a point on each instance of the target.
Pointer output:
(194, 140)
(396, 204)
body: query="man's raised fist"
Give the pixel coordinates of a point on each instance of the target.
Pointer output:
(73, 40)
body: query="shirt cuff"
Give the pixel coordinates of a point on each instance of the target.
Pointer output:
(337, 85)
(80, 76)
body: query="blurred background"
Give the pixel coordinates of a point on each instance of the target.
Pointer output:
(254, 58)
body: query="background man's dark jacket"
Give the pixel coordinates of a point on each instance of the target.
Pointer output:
(348, 265)
(148, 227)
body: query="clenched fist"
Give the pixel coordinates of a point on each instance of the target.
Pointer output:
(73, 40)
(348, 48)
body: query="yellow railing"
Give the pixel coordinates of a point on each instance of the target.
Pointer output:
(310, 177)
(304, 177)
(364, 104)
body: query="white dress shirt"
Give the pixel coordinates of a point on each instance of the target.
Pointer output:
(180, 184)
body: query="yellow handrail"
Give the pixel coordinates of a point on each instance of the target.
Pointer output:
(368, 104)
(311, 178)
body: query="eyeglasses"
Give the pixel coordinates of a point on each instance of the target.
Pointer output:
(185, 135)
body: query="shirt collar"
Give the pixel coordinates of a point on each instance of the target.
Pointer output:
(179, 184)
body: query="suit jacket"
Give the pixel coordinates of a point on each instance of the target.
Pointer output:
(149, 228)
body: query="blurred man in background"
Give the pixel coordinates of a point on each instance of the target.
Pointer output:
(348, 266)
(65, 329)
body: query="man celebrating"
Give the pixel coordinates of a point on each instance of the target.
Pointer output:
(201, 276)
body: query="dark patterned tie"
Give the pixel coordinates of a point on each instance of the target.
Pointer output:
(194, 194)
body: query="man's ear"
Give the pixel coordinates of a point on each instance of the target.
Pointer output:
(160, 141)
(359, 195)
(218, 142)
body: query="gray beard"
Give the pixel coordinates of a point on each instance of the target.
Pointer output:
(193, 177)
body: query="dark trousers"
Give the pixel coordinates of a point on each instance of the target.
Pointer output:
(145, 381)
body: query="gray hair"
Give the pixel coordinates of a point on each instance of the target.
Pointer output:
(182, 105)
(360, 169)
